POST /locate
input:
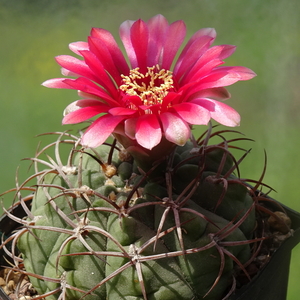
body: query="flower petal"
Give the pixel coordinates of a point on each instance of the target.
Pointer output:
(125, 36)
(100, 130)
(76, 47)
(219, 93)
(112, 46)
(200, 37)
(139, 38)
(224, 76)
(102, 53)
(158, 26)
(208, 61)
(121, 111)
(242, 73)
(220, 112)
(87, 86)
(220, 77)
(130, 127)
(175, 129)
(227, 51)
(148, 131)
(76, 66)
(56, 83)
(102, 77)
(196, 46)
(82, 110)
(82, 114)
(174, 38)
(192, 113)
(76, 105)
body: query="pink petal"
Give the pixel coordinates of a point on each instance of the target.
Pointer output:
(100, 130)
(76, 66)
(198, 35)
(76, 47)
(213, 80)
(130, 127)
(209, 60)
(227, 51)
(148, 131)
(104, 56)
(121, 111)
(175, 129)
(191, 55)
(198, 71)
(57, 83)
(224, 76)
(196, 45)
(87, 86)
(192, 113)
(174, 38)
(242, 73)
(220, 112)
(125, 36)
(219, 93)
(220, 77)
(158, 26)
(171, 99)
(112, 46)
(139, 38)
(102, 77)
(66, 72)
(85, 95)
(208, 31)
(83, 114)
(83, 103)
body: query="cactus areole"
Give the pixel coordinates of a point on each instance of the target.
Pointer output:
(154, 213)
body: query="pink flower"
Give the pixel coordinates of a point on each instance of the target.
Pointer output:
(148, 100)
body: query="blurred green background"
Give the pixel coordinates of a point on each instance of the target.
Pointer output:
(267, 37)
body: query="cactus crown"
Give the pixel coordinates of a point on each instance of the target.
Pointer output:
(100, 227)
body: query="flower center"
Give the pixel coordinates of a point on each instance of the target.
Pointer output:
(151, 87)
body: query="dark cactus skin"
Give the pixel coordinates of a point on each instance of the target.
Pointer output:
(102, 228)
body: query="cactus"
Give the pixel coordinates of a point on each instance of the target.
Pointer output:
(102, 228)
(154, 214)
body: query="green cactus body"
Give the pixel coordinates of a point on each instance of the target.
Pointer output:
(132, 236)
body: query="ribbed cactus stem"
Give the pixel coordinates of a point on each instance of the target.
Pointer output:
(101, 227)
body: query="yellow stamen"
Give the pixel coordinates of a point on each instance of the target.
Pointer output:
(151, 87)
